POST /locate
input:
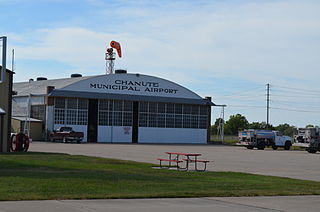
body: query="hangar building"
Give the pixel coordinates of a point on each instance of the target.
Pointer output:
(117, 108)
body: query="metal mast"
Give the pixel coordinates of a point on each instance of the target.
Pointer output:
(110, 57)
(4, 58)
(221, 123)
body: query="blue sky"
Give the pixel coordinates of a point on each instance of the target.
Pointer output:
(226, 49)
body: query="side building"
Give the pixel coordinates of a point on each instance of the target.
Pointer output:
(117, 108)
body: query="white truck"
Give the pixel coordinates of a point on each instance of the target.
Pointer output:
(308, 138)
(261, 138)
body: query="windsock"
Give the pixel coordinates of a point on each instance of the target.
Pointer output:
(116, 45)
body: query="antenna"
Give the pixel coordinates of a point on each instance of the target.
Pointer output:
(12, 61)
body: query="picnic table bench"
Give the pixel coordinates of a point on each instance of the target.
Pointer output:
(190, 158)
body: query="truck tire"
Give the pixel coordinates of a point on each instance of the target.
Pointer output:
(261, 145)
(274, 147)
(311, 150)
(287, 145)
(250, 147)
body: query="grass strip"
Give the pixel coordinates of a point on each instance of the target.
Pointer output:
(39, 176)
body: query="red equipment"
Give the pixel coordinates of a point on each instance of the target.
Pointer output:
(19, 142)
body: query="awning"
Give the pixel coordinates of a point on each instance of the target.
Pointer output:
(2, 112)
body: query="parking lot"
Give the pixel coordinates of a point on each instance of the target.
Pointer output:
(292, 164)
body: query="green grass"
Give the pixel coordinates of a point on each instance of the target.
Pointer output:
(228, 139)
(30, 176)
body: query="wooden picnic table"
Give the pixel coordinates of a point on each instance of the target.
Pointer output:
(189, 158)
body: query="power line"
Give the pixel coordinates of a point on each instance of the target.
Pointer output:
(301, 89)
(305, 111)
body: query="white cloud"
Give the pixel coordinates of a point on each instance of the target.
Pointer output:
(243, 40)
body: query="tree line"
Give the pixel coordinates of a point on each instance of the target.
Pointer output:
(239, 122)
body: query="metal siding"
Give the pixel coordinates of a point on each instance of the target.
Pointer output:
(172, 135)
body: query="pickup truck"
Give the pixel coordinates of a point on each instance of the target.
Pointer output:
(66, 134)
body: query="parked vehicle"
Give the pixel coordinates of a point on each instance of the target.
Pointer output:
(261, 138)
(66, 134)
(308, 138)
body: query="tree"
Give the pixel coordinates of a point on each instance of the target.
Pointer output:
(309, 125)
(257, 125)
(236, 123)
(286, 129)
(260, 126)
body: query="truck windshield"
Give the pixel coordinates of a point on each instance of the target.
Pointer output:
(65, 129)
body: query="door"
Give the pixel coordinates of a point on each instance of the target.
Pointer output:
(92, 120)
(135, 122)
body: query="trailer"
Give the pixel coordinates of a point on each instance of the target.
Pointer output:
(264, 138)
(308, 138)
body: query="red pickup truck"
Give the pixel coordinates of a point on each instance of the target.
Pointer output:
(66, 134)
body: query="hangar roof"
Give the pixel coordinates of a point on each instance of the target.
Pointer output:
(40, 87)
(134, 87)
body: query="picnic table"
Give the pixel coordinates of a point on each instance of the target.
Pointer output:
(175, 158)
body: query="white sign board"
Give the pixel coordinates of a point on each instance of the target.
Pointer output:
(132, 84)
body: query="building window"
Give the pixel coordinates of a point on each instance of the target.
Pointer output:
(103, 108)
(71, 116)
(71, 111)
(38, 112)
(170, 115)
(170, 120)
(127, 113)
(59, 116)
(82, 112)
(60, 102)
(203, 122)
(115, 113)
(143, 114)
(127, 118)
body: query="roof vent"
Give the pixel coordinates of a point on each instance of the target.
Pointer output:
(75, 75)
(41, 78)
(120, 71)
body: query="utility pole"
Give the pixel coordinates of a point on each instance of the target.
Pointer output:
(268, 101)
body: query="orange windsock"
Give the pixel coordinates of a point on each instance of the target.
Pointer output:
(116, 45)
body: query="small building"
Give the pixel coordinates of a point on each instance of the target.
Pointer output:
(35, 126)
(5, 104)
(118, 108)
(2, 113)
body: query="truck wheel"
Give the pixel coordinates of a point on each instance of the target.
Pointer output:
(312, 150)
(261, 145)
(287, 145)
(250, 147)
(274, 147)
